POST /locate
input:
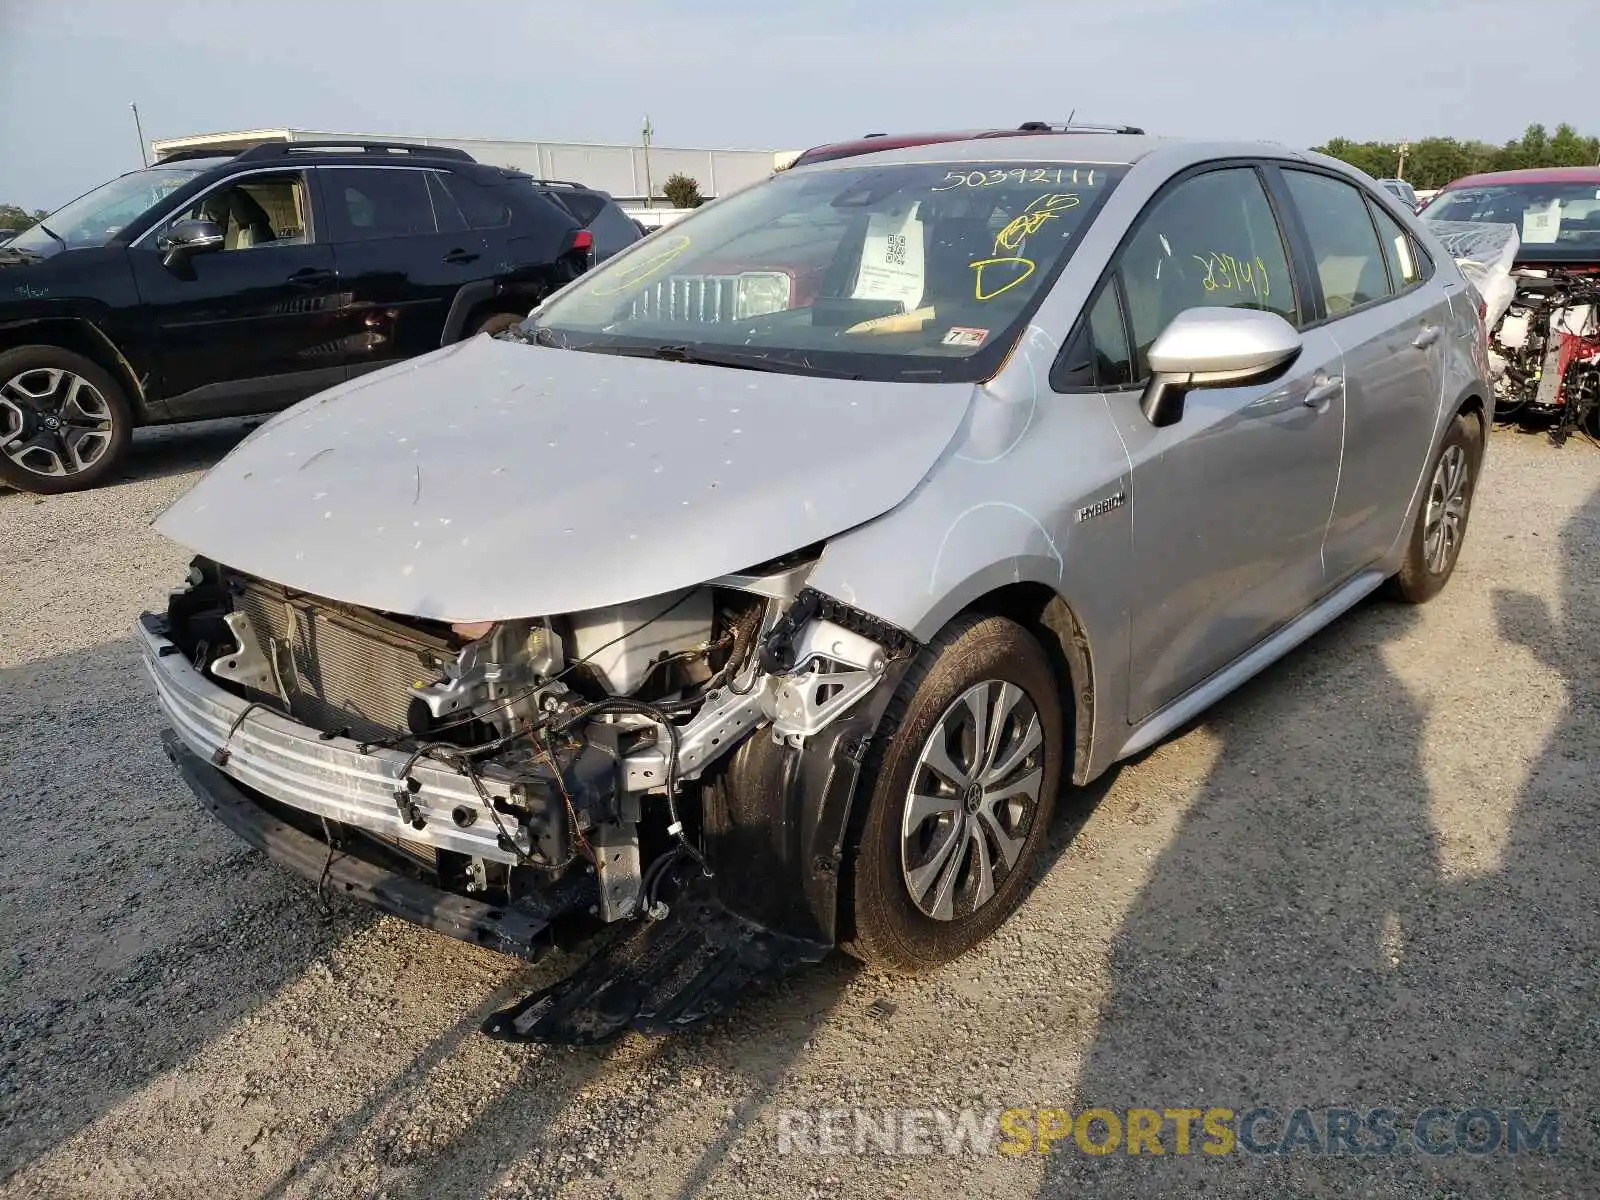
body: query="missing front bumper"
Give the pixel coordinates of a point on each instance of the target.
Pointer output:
(521, 928)
(656, 977)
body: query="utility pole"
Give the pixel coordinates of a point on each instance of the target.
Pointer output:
(144, 154)
(649, 190)
(1401, 173)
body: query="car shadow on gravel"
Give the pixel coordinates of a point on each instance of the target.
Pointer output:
(136, 929)
(1308, 940)
(758, 1042)
(160, 451)
(166, 450)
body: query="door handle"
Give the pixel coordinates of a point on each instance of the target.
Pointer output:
(456, 257)
(1323, 389)
(310, 277)
(1428, 336)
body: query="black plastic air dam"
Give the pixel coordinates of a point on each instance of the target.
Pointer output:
(519, 929)
(658, 977)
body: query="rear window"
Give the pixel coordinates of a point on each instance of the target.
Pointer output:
(585, 206)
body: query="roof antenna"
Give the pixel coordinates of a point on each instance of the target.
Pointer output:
(1070, 115)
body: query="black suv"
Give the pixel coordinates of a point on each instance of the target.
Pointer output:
(210, 286)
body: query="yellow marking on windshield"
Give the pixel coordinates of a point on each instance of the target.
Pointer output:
(984, 264)
(1015, 235)
(627, 276)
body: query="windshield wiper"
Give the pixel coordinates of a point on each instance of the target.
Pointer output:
(59, 239)
(739, 360)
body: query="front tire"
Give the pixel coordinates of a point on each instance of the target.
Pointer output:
(1441, 523)
(959, 789)
(65, 423)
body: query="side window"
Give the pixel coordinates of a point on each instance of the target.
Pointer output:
(445, 208)
(1211, 242)
(1399, 251)
(1350, 262)
(259, 210)
(365, 205)
(482, 206)
(1097, 356)
(1113, 365)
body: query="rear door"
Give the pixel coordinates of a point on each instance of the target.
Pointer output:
(1390, 324)
(253, 326)
(1230, 504)
(403, 251)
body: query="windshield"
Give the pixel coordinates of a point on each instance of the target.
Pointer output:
(96, 217)
(1544, 213)
(924, 271)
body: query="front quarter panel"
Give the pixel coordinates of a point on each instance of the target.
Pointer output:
(1034, 489)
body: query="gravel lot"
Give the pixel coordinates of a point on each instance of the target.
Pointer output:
(1366, 880)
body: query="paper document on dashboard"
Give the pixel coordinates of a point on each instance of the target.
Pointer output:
(891, 259)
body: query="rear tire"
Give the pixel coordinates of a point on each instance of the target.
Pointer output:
(1440, 528)
(65, 423)
(958, 789)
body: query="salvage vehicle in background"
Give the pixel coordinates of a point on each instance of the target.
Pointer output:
(213, 286)
(717, 635)
(1548, 343)
(1401, 191)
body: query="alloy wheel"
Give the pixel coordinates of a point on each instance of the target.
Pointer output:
(1447, 510)
(54, 422)
(973, 799)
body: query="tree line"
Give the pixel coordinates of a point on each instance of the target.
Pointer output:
(12, 217)
(1436, 161)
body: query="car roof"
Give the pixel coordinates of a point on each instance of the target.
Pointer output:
(1111, 149)
(1094, 148)
(895, 141)
(1530, 175)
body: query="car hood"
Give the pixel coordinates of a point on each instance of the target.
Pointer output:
(493, 479)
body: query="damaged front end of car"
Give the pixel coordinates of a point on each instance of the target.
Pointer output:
(667, 781)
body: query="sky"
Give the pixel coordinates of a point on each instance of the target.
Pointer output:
(750, 75)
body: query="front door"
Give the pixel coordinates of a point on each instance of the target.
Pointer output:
(253, 326)
(1230, 504)
(403, 252)
(1391, 325)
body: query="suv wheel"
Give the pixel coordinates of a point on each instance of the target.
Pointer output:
(958, 792)
(64, 422)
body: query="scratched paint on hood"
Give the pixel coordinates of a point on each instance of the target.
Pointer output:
(493, 479)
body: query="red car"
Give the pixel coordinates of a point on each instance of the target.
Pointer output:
(1548, 343)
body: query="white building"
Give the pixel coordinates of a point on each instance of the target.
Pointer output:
(620, 170)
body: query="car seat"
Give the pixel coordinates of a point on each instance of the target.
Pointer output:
(244, 222)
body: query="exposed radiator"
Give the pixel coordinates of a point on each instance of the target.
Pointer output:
(340, 669)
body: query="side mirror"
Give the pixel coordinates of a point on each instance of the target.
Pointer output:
(1214, 347)
(190, 237)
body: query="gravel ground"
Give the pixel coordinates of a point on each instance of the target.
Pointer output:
(1365, 880)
